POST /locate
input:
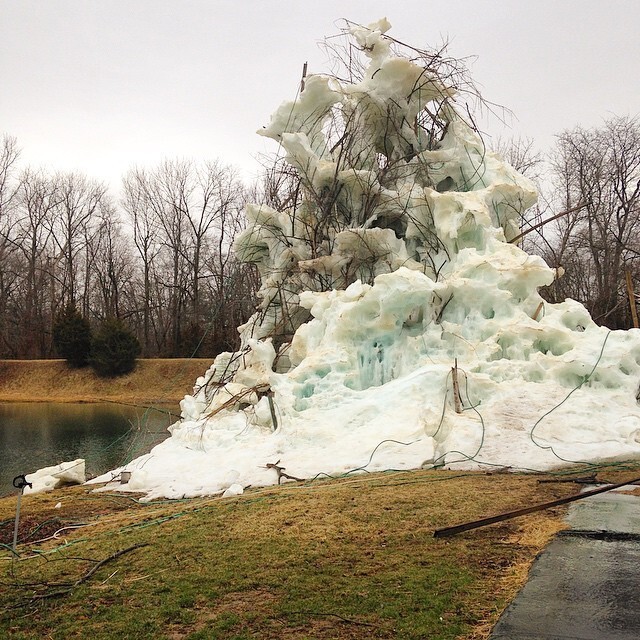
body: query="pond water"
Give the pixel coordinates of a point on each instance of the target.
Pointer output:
(41, 434)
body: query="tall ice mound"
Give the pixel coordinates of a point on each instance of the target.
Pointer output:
(398, 326)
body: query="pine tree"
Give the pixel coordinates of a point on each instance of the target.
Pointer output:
(113, 349)
(72, 337)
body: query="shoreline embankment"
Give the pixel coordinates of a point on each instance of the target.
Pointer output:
(154, 381)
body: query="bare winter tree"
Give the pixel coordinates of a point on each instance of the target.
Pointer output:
(214, 215)
(231, 285)
(170, 273)
(600, 169)
(39, 199)
(111, 264)
(9, 154)
(79, 202)
(145, 239)
(184, 217)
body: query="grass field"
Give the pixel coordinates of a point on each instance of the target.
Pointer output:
(345, 559)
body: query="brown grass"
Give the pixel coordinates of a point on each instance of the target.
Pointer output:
(152, 382)
(347, 559)
(370, 524)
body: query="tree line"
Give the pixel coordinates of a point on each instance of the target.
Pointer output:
(593, 174)
(158, 258)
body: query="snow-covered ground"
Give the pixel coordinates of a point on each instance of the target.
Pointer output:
(366, 380)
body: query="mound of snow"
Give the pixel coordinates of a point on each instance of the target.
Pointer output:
(393, 277)
(371, 388)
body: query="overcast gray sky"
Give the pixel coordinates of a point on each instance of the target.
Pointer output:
(101, 85)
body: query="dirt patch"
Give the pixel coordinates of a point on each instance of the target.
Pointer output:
(29, 529)
(245, 601)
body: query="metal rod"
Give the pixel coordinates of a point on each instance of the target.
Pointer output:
(17, 522)
(483, 522)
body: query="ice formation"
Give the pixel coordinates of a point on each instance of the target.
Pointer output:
(396, 264)
(50, 478)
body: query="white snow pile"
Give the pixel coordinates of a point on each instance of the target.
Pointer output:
(59, 475)
(392, 265)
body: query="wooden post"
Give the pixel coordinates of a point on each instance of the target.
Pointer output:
(272, 409)
(537, 311)
(483, 522)
(632, 298)
(456, 388)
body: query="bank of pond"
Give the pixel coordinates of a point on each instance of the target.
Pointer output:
(107, 435)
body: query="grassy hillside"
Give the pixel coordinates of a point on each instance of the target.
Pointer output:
(152, 381)
(346, 559)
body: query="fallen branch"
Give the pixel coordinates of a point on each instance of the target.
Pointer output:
(483, 522)
(280, 471)
(85, 577)
(113, 556)
(332, 615)
(551, 219)
(581, 480)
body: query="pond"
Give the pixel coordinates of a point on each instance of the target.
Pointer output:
(41, 434)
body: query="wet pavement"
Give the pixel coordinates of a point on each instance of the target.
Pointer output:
(586, 584)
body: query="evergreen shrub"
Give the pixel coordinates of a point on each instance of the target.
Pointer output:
(72, 337)
(113, 349)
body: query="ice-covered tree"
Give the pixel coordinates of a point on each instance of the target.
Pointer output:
(390, 269)
(378, 148)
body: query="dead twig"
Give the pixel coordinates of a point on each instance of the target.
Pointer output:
(537, 311)
(332, 615)
(632, 298)
(82, 579)
(280, 471)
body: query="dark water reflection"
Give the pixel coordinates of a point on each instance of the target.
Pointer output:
(40, 434)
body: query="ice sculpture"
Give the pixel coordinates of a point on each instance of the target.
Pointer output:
(392, 275)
